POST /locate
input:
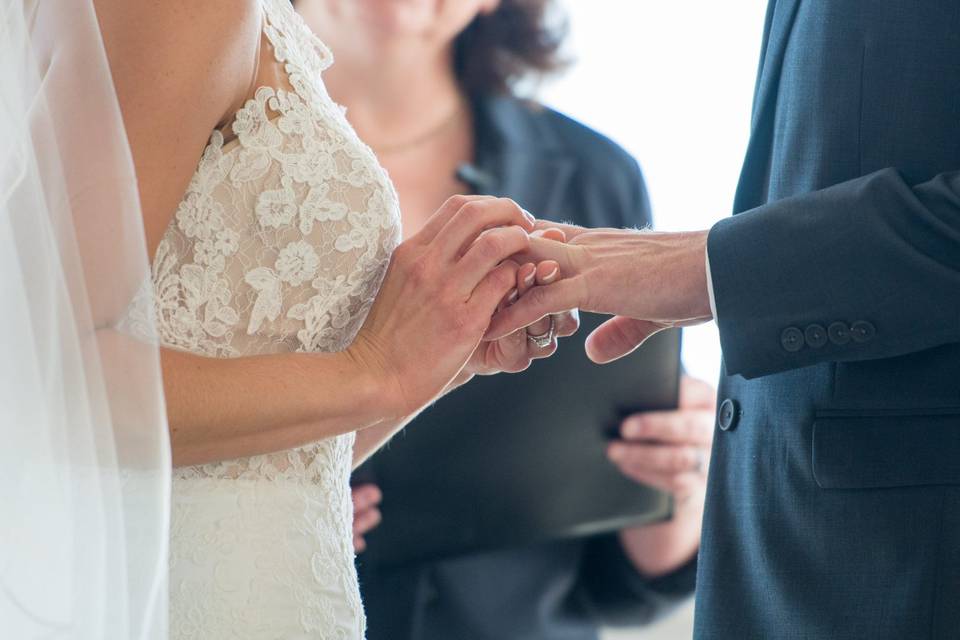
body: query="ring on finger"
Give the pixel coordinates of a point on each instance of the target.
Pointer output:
(699, 462)
(544, 340)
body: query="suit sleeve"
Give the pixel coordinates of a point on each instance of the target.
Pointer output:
(615, 595)
(863, 270)
(639, 212)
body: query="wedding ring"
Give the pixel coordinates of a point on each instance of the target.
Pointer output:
(699, 463)
(543, 341)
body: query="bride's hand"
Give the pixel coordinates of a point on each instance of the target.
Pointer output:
(437, 298)
(515, 352)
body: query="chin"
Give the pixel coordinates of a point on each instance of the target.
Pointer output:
(398, 16)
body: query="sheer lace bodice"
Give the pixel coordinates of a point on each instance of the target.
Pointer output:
(280, 244)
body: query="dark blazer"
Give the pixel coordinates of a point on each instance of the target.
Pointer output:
(833, 507)
(561, 170)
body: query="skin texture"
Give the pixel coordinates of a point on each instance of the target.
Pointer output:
(181, 70)
(376, 43)
(601, 267)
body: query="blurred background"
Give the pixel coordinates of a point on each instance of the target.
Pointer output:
(676, 93)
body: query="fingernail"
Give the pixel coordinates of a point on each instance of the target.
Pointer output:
(529, 216)
(550, 277)
(633, 428)
(528, 281)
(513, 296)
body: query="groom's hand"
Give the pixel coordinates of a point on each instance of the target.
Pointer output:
(650, 281)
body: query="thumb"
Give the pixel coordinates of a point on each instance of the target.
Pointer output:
(618, 337)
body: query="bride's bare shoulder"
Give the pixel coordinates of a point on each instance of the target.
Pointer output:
(206, 46)
(180, 67)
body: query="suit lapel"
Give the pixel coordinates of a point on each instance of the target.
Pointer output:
(536, 181)
(780, 18)
(517, 157)
(755, 177)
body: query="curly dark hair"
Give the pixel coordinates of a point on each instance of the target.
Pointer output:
(521, 38)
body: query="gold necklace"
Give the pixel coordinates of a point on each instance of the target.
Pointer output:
(424, 137)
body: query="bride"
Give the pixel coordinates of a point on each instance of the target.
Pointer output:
(298, 333)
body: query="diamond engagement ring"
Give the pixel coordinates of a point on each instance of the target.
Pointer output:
(543, 341)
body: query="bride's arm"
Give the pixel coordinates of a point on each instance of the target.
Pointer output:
(181, 68)
(429, 315)
(226, 408)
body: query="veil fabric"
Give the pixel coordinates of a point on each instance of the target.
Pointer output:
(84, 456)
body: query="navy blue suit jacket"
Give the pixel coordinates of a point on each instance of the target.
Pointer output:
(833, 507)
(561, 590)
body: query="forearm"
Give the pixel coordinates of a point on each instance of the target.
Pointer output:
(220, 409)
(659, 549)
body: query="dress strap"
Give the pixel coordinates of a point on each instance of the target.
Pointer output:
(225, 127)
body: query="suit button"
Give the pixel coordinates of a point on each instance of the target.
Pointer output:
(815, 335)
(839, 333)
(729, 415)
(862, 331)
(792, 339)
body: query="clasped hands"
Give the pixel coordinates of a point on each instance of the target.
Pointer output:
(464, 295)
(648, 281)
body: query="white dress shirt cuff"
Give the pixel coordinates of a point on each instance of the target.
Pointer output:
(713, 300)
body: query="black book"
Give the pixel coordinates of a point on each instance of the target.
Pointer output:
(509, 460)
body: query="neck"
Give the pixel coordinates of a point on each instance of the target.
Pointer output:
(394, 87)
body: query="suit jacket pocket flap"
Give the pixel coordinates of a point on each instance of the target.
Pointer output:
(877, 451)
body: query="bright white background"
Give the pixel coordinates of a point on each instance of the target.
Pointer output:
(673, 83)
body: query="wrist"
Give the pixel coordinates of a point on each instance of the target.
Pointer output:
(378, 390)
(656, 550)
(695, 274)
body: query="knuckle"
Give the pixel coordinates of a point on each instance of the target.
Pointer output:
(539, 296)
(455, 203)
(403, 253)
(519, 363)
(511, 206)
(491, 246)
(472, 208)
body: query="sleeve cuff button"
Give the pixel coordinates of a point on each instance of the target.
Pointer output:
(862, 331)
(815, 335)
(792, 339)
(839, 333)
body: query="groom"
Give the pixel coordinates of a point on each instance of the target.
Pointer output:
(833, 509)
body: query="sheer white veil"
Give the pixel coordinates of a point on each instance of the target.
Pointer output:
(84, 455)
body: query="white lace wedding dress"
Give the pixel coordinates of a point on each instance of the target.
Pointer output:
(280, 244)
